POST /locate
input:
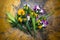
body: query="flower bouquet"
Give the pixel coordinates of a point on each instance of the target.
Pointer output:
(29, 20)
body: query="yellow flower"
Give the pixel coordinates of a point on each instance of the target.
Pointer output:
(20, 19)
(21, 12)
(39, 27)
(38, 21)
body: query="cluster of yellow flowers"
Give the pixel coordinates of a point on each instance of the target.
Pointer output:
(21, 19)
(20, 13)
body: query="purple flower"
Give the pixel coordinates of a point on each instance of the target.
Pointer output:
(36, 7)
(42, 11)
(44, 23)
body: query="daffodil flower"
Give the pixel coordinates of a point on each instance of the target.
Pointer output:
(36, 7)
(21, 12)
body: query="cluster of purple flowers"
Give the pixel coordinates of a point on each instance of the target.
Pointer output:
(41, 11)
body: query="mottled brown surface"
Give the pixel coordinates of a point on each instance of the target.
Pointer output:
(53, 28)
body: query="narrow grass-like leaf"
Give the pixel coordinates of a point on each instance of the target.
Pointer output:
(10, 16)
(28, 28)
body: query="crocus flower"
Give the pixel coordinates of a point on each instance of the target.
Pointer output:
(42, 11)
(45, 23)
(36, 7)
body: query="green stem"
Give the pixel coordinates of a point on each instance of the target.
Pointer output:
(28, 27)
(34, 27)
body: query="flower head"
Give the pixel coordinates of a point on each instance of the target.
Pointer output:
(39, 27)
(20, 19)
(38, 21)
(21, 12)
(36, 7)
(42, 11)
(45, 23)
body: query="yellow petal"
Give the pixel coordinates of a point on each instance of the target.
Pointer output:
(21, 12)
(39, 21)
(20, 19)
(39, 27)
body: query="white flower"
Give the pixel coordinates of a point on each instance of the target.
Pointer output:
(28, 18)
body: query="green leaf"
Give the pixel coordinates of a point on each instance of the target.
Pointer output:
(33, 22)
(28, 27)
(10, 16)
(49, 15)
(9, 21)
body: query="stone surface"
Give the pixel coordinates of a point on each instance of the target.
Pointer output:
(54, 24)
